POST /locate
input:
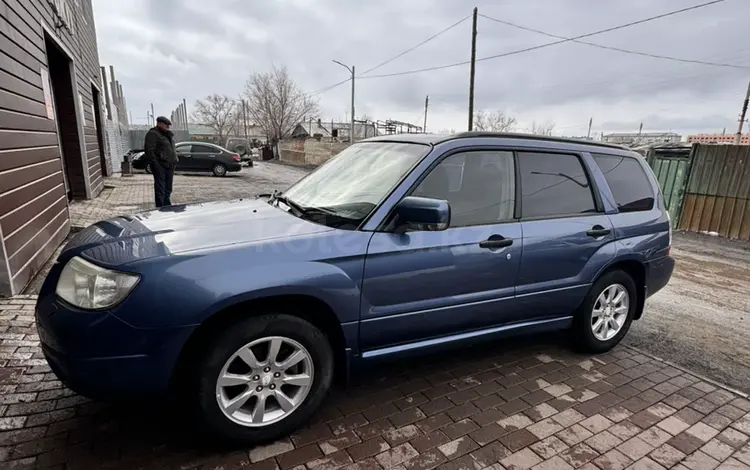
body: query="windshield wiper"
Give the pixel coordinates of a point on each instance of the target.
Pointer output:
(278, 197)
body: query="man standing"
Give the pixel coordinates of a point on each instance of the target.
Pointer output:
(161, 154)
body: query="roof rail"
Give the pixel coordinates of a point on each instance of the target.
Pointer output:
(517, 135)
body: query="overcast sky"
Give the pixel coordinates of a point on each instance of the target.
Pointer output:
(167, 50)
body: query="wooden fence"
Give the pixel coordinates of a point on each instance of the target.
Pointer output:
(717, 199)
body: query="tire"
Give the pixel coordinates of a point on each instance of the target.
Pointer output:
(238, 425)
(219, 170)
(148, 168)
(584, 337)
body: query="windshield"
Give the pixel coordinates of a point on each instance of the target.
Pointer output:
(353, 183)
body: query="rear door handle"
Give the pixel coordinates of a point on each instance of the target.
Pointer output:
(496, 241)
(598, 231)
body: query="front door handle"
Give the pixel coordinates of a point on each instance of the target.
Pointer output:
(496, 241)
(598, 231)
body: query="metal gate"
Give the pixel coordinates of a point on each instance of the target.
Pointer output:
(672, 169)
(717, 200)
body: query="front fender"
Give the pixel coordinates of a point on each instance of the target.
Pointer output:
(190, 290)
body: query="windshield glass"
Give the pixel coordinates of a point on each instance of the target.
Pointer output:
(353, 183)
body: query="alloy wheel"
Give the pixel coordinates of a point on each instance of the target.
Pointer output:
(610, 312)
(265, 381)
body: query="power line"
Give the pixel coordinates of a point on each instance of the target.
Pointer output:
(554, 43)
(323, 90)
(627, 51)
(418, 45)
(331, 87)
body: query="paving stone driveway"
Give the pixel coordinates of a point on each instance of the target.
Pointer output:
(513, 406)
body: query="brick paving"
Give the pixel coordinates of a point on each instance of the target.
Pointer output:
(515, 406)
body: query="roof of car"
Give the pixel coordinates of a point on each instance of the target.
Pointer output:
(433, 139)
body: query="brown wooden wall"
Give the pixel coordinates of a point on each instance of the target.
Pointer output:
(34, 217)
(718, 192)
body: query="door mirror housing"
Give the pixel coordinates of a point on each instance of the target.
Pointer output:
(421, 214)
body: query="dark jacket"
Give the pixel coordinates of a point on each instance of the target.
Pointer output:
(159, 147)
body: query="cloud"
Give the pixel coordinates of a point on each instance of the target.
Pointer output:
(167, 50)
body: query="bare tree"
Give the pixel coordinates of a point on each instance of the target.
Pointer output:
(447, 131)
(544, 128)
(276, 103)
(493, 122)
(218, 113)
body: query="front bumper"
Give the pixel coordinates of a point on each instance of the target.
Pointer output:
(98, 355)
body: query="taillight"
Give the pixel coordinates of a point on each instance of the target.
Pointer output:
(236, 158)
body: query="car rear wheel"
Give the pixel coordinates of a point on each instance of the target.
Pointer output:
(263, 378)
(219, 170)
(148, 168)
(606, 313)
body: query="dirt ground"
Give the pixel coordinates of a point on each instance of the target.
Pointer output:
(701, 320)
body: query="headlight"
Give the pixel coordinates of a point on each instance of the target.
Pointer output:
(89, 286)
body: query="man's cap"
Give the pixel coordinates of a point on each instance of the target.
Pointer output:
(164, 120)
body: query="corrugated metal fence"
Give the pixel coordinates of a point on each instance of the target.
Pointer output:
(137, 136)
(718, 191)
(672, 168)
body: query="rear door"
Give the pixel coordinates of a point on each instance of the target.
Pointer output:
(565, 232)
(204, 156)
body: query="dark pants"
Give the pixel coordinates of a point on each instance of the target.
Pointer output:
(163, 176)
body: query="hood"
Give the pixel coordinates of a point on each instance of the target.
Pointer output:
(186, 228)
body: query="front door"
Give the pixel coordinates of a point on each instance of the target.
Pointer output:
(564, 234)
(423, 284)
(185, 158)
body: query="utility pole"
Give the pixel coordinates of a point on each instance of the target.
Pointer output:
(351, 124)
(588, 134)
(153, 117)
(738, 136)
(426, 104)
(473, 69)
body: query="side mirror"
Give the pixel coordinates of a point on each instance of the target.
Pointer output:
(423, 214)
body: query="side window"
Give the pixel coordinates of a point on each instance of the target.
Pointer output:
(628, 182)
(553, 184)
(203, 149)
(479, 186)
(183, 149)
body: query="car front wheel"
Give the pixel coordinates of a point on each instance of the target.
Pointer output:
(263, 378)
(148, 168)
(606, 313)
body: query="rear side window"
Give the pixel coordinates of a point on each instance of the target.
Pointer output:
(203, 149)
(628, 182)
(553, 185)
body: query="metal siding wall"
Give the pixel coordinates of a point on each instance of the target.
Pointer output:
(33, 212)
(718, 196)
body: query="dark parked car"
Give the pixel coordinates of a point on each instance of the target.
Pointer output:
(397, 246)
(198, 157)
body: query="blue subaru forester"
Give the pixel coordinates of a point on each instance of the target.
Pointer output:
(398, 245)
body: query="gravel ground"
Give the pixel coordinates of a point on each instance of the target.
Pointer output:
(701, 320)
